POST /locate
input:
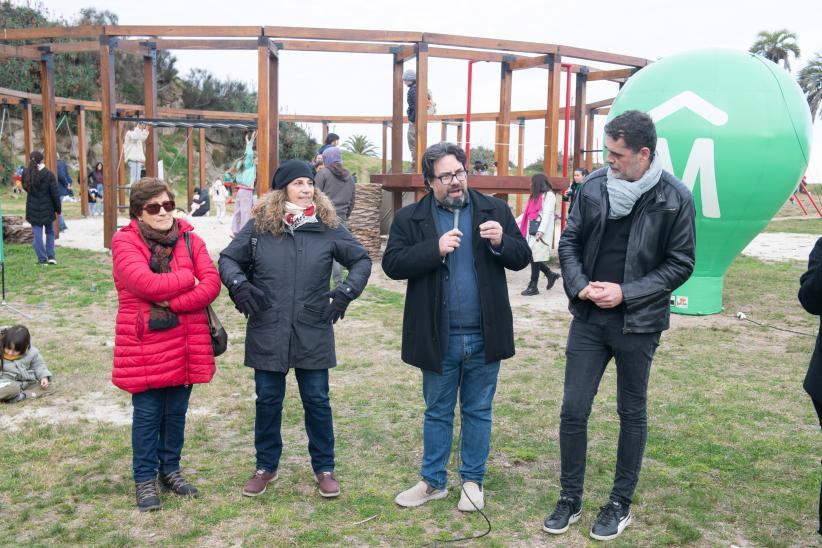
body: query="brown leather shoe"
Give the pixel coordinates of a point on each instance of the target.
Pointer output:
(329, 486)
(259, 482)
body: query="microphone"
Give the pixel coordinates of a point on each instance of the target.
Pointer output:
(457, 207)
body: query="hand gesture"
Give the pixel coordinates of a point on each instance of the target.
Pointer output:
(491, 231)
(340, 299)
(449, 241)
(605, 294)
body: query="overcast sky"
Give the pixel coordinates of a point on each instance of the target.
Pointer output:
(334, 83)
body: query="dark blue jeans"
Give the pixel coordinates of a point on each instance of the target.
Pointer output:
(319, 425)
(43, 249)
(463, 362)
(158, 430)
(590, 347)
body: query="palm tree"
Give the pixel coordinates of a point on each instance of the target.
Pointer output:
(776, 46)
(810, 80)
(359, 144)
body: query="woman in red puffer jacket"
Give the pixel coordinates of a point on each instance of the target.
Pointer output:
(162, 344)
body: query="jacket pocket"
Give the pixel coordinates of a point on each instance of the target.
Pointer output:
(314, 337)
(139, 325)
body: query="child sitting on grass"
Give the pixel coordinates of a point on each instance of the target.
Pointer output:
(23, 372)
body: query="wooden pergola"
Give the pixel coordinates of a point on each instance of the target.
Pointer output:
(269, 43)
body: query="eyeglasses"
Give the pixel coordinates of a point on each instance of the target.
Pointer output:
(154, 209)
(448, 178)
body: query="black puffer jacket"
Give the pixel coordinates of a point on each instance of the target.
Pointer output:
(43, 199)
(660, 254)
(294, 271)
(810, 296)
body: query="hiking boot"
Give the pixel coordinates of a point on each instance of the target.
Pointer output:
(552, 279)
(567, 511)
(258, 483)
(147, 498)
(419, 495)
(329, 487)
(176, 483)
(612, 519)
(530, 290)
(472, 497)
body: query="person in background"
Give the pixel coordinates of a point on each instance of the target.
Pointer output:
(331, 140)
(578, 178)
(246, 176)
(285, 296)
(43, 205)
(162, 345)
(64, 188)
(317, 164)
(218, 197)
(95, 181)
(201, 203)
(409, 78)
(810, 297)
(337, 183)
(540, 208)
(133, 151)
(17, 187)
(23, 371)
(94, 201)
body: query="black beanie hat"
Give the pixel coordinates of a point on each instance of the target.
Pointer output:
(290, 170)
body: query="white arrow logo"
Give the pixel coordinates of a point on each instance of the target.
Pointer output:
(701, 158)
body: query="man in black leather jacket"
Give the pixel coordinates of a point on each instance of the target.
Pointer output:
(628, 244)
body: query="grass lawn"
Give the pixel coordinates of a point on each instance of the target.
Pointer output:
(809, 225)
(732, 454)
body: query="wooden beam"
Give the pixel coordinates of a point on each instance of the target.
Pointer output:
(384, 148)
(396, 117)
(504, 121)
(580, 115)
(339, 47)
(403, 53)
(49, 113)
(601, 56)
(267, 136)
(468, 55)
(202, 174)
(422, 104)
(190, 162)
(110, 158)
(28, 125)
(619, 74)
(70, 47)
(183, 31)
(20, 52)
(39, 33)
(549, 160)
(325, 130)
(531, 62)
(487, 43)
(82, 158)
(443, 131)
(342, 34)
(459, 135)
(150, 99)
(204, 44)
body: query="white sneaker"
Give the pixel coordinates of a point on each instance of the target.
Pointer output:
(472, 497)
(419, 495)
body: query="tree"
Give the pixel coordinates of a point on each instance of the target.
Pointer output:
(776, 46)
(810, 80)
(359, 144)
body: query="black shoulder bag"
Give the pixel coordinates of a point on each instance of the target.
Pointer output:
(219, 337)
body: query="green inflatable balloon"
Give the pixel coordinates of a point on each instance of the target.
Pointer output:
(736, 129)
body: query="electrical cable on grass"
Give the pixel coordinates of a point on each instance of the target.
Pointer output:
(744, 317)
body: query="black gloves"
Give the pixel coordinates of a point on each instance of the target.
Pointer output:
(249, 299)
(340, 297)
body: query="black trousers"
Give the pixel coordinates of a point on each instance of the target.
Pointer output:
(536, 268)
(590, 347)
(818, 405)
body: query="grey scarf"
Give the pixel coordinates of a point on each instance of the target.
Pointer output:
(622, 194)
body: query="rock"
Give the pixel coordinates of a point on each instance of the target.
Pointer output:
(16, 230)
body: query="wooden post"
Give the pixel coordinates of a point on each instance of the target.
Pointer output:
(190, 158)
(459, 134)
(549, 159)
(589, 142)
(422, 104)
(444, 131)
(81, 152)
(396, 122)
(49, 119)
(384, 147)
(203, 183)
(504, 120)
(579, 116)
(150, 101)
(108, 101)
(28, 123)
(325, 131)
(520, 160)
(122, 178)
(267, 114)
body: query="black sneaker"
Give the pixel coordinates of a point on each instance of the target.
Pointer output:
(147, 498)
(552, 279)
(612, 519)
(176, 483)
(566, 512)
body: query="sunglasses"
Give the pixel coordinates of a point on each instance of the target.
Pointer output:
(154, 209)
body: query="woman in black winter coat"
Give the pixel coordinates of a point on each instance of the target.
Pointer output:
(42, 206)
(277, 270)
(810, 296)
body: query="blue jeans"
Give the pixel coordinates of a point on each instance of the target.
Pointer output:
(319, 425)
(590, 347)
(158, 430)
(464, 357)
(44, 252)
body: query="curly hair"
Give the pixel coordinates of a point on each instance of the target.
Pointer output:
(269, 211)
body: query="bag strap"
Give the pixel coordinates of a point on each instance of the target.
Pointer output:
(187, 238)
(250, 274)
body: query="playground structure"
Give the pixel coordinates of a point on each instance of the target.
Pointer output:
(271, 43)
